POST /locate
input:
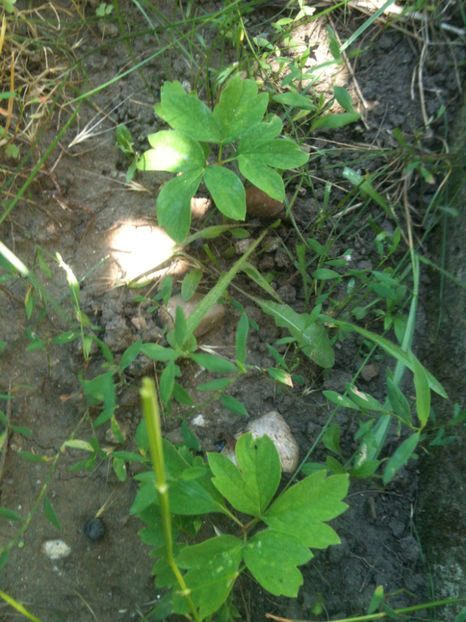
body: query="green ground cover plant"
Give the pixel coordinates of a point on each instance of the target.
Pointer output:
(253, 130)
(186, 486)
(238, 117)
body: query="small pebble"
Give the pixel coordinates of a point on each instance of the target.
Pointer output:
(94, 529)
(56, 549)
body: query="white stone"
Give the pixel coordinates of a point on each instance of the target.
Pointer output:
(56, 549)
(199, 421)
(275, 427)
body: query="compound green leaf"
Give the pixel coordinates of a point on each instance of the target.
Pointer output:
(212, 567)
(227, 191)
(260, 133)
(302, 509)
(187, 113)
(272, 558)
(262, 176)
(280, 153)
(239, 108)
(251, 486)
(171, 151)
(174, 204)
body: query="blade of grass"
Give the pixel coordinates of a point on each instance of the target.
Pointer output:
(219, 288)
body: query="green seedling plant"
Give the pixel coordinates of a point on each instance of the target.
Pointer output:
(242, 137)
(272, 534)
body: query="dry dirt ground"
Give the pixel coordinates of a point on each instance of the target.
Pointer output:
(79, 206)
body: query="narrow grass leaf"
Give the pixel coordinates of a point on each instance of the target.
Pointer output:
(214, 385)
(421, 385)
(9, 515)
(364, 400)
(334, 121)
(181, 395)
(241, 338)
(78, 444)
(30, 457)
(234, 405)
(325, 274)
(398, 402)
(190, 284)
(189, 437)
(393, 350)
(130, 354)
(258, 278)
(280, 375)
(219, 288)
(4, 559)
(311, 336)
(294, 100)
(157, 353)
(343, 98)
(167, 381)
(214, 363)
(331, 438)
(400, 457)
(272, 558)
(50, 513)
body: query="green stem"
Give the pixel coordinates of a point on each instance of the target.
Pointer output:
(154, 432)
(379, 616)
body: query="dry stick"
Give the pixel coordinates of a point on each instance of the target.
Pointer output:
(420, 85)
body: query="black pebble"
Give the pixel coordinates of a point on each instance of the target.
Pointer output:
(94, 529)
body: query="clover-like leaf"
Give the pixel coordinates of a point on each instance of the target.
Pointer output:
(187, 113)
(171, 151)
(251, 486)
(262, 176)
(302, 509)
(174, 204)
(212, 567)
(227, 191)
(280, 153)
(272, 558)
(239, 107)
